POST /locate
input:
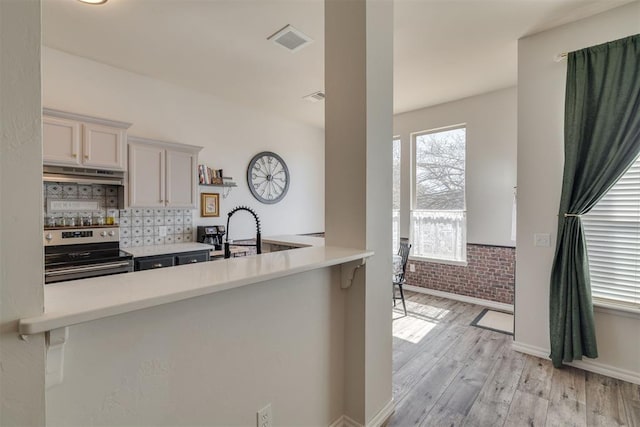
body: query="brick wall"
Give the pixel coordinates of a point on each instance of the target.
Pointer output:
(489, 274)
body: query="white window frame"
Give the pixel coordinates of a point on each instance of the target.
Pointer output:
(396, 243)
(414, 197)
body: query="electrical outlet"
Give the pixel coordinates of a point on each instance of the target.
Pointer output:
(265, 419)
(542, 240)
(412, 268)
(162, 230)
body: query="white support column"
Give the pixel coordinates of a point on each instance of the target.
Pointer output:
(358, 115)
(21, 262)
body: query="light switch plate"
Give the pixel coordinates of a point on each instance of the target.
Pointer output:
(542, 240)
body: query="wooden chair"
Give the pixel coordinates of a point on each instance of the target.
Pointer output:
(398, 278)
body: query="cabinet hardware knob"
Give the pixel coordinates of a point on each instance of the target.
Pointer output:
(74, 155)
(157, 265)
(86, 156)
(193, 261)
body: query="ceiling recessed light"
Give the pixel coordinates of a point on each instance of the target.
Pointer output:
(290, 38)
(93, 1)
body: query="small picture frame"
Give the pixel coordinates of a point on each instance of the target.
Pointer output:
(209, 204)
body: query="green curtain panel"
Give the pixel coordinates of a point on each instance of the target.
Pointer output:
(602, 139)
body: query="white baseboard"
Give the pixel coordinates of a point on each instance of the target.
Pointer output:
(338, 423)
(344, 421)
(383, 415)
(378, 420)
(586, 365)
(540, 352)
(348, 422)
(463, 298)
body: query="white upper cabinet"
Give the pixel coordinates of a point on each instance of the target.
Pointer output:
(181, 180)
(103, 147)
(162, 174)
(61, 141)
(146, 175)
(77, 140)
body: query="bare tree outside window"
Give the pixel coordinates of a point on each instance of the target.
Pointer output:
(440, 162)
(438, 220)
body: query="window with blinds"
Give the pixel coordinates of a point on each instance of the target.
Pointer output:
(612, 230)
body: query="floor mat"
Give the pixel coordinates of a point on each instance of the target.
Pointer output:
(494, 321)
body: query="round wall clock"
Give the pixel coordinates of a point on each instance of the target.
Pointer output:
(268, 177)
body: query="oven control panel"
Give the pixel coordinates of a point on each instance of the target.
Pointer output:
(55, 237)
(77, 234)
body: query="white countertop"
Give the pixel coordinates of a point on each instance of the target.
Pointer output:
(73, 302)
(143, 251)
(294, 240)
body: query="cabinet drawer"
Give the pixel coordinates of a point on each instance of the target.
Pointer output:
(192, 258)
(155, 262)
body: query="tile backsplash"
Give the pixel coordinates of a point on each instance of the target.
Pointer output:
(138, 227)
(142, 227)
(105, 195)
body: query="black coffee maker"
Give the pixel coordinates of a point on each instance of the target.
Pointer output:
(211, 235)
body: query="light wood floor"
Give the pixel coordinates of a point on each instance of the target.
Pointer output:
(447, 373)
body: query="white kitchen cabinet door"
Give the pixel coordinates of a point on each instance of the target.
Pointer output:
(181, 179)
(60, 141)
(146, 176)
(103, 147)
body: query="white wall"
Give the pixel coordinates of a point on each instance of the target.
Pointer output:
(21, 263)
(212, 360)
(230, 135)
(490, 163)
(541, 91)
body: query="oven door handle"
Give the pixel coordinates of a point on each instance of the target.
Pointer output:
(105, 266)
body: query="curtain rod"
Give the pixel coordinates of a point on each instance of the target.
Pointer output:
(560, 57)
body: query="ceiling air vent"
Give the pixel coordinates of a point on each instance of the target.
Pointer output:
(315, 96)
(291, 39)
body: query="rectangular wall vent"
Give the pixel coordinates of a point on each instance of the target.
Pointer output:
(290, 38)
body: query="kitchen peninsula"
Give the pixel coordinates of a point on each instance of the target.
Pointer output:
(79, 301)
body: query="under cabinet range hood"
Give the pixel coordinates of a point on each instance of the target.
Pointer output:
(73, 175)
(82, 175)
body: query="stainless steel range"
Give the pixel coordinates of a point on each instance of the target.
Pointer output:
(79, 253)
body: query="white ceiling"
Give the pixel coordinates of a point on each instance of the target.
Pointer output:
(444, 49)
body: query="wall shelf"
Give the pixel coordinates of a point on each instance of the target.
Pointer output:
(226, 187)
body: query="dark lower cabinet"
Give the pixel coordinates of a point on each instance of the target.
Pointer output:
(169, 260)
(149, 263)
(192, 258)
